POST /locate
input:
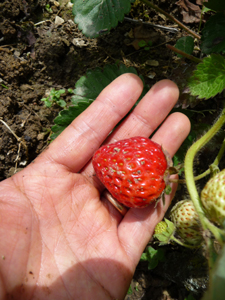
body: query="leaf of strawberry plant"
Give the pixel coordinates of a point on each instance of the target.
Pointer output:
(96, 17)
(185, 44)
(213, 35)
(153, 257)
(209, 77)
(216, 5)
(94, 81)
(66, 116)
(87, 89)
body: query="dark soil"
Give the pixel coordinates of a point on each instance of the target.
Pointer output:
(36, 56)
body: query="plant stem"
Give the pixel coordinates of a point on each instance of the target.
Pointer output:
(220, 154)
(208, 171)
(214, 164)
(182, 244)
(188, 169)
(171, 18)
(191, 57)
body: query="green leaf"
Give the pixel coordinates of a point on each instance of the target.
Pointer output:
(213, 35)
(70, 91)
(142, 44)
(209, 77)
(153, 257)
(190, 297)
(87, 89)
(96, 17)
(216, 5)
(61, 103)
(185, 44)
(129, 292)
(94, 81)
(205, 9)
(47, 102)
(4, 86)
(66, 116)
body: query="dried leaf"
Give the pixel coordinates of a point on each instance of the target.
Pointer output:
(200, 2)
(191, 12)
(141, 33)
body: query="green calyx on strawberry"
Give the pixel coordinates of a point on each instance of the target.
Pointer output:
(134, 171)
(187, 223)
(164, 232)
(213, 198)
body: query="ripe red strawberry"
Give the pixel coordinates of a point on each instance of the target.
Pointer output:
(213, 198)
(132, 170)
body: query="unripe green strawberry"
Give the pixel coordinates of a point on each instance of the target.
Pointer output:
(213, 198)
(133, 170)
(164, 232)
(187, 223)
(160, 227)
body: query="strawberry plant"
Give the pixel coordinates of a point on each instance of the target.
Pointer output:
(211, 202)
(200, 221)
(203, 79)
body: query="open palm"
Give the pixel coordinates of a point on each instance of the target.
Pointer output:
(60, 239)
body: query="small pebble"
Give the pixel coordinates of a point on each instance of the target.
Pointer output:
(58, 20)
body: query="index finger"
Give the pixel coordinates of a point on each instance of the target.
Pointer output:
(74, 147)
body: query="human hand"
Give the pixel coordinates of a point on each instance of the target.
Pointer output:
(60, 239)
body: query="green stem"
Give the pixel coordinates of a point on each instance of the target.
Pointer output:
(202, 175)
(220, 154)
(208, 171)
(214, 164)
(170, 17)
(188, 56)
(188, 169)
(182, 244)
